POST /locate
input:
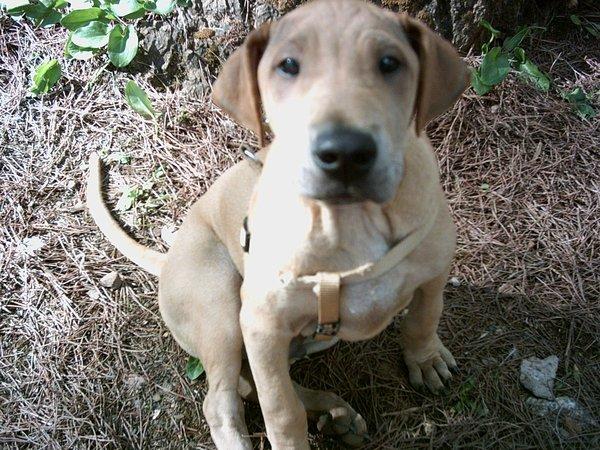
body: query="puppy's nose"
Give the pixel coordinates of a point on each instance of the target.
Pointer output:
(344, 153)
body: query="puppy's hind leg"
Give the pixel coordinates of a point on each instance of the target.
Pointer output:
(200, 303)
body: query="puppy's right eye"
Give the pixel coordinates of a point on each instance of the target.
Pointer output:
(289, 67)
(388, 64)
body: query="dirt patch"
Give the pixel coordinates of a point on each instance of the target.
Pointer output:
(85, 366)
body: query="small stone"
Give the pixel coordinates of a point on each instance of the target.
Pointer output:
(155, 414)
(111, 280)
(31, 245)
(156, 397)
(454, 281)
(93, 294)
(494, 109)
(537, 376)
(574, 417)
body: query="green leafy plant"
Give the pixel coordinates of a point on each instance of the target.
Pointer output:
(500, 60)
(469, 402)
(140, 194)
(44, 13)
(120, 157)
(122, 45)
(530, 72)
(580, 101)
(46, 76)
(130, 195)
(593, 28)
(95, 26)
(194, 368)
(138, 100)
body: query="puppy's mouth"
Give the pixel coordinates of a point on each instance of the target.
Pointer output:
(374, 188)
(342, 199)
(337, 195)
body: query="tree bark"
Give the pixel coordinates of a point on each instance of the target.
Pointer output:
(190, 46)
(456, 20)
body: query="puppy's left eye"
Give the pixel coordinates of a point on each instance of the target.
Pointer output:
(388, 64)
(289, 67)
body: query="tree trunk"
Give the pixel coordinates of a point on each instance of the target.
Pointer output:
(456, 20)
(190, 45)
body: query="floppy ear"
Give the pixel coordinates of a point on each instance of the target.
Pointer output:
(443, 75)
(236, 89)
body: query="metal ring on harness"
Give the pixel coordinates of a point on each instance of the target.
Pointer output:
(250, 155)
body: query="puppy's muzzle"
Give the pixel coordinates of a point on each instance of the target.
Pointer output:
(344, 154)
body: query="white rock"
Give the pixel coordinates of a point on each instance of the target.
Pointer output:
(454, 281)
(537, 376)
(31, 245)
(111, 280)
(573, 414)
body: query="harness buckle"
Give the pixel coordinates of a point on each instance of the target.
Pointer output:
(326, 330)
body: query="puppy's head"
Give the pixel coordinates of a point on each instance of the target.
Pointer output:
(342, 84)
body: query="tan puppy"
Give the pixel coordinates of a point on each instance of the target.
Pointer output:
(347, 89)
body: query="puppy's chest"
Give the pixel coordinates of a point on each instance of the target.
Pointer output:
(340, 240)
(326, 241)
(353, 241)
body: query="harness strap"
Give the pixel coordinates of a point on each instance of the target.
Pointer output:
(327, 285)
(328, 306)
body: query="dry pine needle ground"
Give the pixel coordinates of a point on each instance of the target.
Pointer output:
(84, 366)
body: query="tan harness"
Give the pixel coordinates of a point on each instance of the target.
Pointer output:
(327, 285)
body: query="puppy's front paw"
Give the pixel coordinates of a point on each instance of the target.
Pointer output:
(346, 423)
(429, 364)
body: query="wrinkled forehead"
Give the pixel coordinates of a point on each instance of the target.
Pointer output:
(335, 24)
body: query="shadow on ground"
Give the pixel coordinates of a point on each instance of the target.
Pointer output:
(489, 333)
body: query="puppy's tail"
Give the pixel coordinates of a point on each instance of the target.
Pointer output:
(148, 259)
